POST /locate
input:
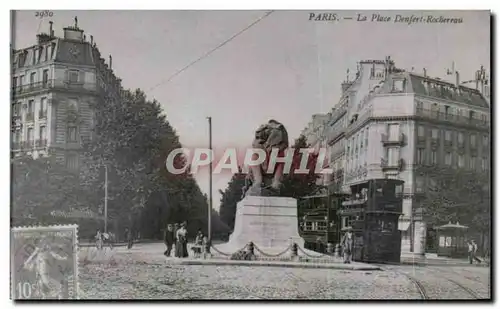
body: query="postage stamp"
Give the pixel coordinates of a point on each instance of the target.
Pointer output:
(44, 262)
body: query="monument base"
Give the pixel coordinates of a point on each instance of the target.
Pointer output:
(269, 222)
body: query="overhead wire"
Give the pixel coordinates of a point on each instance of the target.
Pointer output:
(211, 51)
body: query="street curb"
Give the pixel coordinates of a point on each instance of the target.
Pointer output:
(278, 264)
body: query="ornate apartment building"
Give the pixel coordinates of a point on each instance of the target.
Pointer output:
(395, 124)
(56, 84)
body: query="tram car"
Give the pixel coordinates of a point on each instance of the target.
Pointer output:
(372, 211)
(319, 220)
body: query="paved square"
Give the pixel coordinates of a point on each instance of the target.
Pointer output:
(44, 262)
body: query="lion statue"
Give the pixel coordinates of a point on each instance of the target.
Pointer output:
(267, 137)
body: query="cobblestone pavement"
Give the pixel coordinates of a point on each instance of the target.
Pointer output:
(134, 276)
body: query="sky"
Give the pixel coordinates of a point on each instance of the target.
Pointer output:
(285, 67)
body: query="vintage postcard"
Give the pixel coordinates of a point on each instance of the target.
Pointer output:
(251, 155)
(44, 263)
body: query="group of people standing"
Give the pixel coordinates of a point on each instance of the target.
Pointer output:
(176, 234)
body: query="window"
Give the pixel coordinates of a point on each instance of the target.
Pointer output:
(392, 156)
(73, 104)
(484, 164)
(45, 76)
(433, 157)
(17, 136)
(32, 78)
(14, 82)
(447, 158)
(460, 138)
(72, 161)
(472, 163)
(447, 135)
(16, 109)
(473, 140)
(72, 133)
(21, 80)
(421, 131)
(47, 53)
(43, 132)
(31, 106)
(420, 105)
(73, 76)
(43, 104)
(393, 130)
(419, 184)
(446, 110)
(30, 135)
(398, 85)
(435, 133)
(461, 160)
(486, 140)
(420, 156)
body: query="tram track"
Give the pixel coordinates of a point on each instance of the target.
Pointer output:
(420, 285)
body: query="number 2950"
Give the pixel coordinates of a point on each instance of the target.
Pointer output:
(42, 14)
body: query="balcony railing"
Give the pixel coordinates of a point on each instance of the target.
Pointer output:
(436, 115)
(52, 84)
(30, 116)
(385, 164)
(391, 140)
(42, 114)
(41, 143)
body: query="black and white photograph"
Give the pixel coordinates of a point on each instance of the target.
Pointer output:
(251, 155)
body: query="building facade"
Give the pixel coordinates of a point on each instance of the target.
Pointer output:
(56, 85)
(394, 124)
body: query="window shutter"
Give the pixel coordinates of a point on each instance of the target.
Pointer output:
(66, 76)
(81, 77)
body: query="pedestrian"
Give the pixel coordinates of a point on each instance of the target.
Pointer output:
(347, 244)
(198, 244)
(129, 238)
(472, 252)
(206, 248)
(168, 238)
(98, 239)
(181, 244)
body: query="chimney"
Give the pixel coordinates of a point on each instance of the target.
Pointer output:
(457, 79)
(51, 32)
(425, 72)
(110, 62)
(91, 40)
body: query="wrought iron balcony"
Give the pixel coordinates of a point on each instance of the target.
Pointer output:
(388, 140)
(52, 84)
(386, 165)
(457, 119)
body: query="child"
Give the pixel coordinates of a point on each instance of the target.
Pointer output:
(198, 243)
(206, 248)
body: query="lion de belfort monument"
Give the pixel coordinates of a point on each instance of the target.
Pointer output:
(263, 216)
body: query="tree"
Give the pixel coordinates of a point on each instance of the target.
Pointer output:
(133, 139)
(41, 186)
(230, 198)
(458, 196)
(299, 185)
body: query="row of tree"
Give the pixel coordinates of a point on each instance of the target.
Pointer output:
(132, 139)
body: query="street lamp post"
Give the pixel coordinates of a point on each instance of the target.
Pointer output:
(105, 198)
(210, 180)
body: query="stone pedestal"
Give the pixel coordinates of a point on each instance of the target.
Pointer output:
(269, 222)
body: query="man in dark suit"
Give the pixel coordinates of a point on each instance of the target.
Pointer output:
(168, 239)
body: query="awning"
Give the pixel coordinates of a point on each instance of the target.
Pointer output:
(403, 225)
